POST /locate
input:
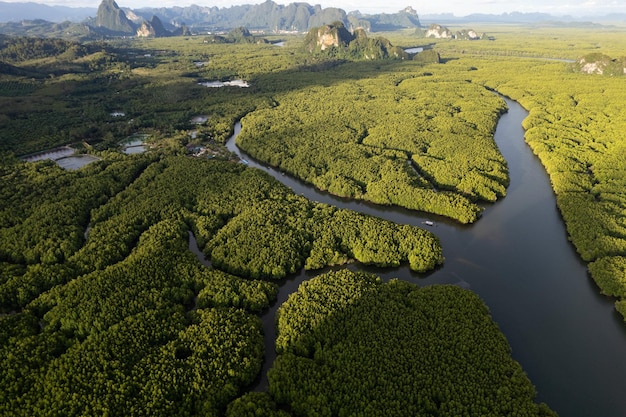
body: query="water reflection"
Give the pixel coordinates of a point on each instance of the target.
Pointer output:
(218, 84)
(76, 162)
(64, 156)
(518, 259)
(135, 144)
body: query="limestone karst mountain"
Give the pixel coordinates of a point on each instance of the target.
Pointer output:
(111, 18)
(403, 19)
(153, 29)
(442, 32)
(336, 40)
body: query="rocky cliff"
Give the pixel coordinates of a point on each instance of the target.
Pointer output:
(438, 32)
(153, 29)
(113, 19)
(297, 16)
(264, 16)
(334, 39)
(327, 36)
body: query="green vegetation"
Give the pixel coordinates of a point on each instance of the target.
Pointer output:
(403, 139)
(336, 41)
(407, 138)
(70, 97)
(44, 29)
(24, 49)
(120, 341)
(124, 320)
(597, 63)
(350, 345)
(254, 404)
(237, 35)
(532, 41)
(574, 127)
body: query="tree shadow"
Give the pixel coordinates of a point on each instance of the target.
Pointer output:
(350, 344)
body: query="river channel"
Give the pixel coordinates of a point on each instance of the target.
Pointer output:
(567, 337)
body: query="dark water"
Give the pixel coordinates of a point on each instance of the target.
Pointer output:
(517, 258)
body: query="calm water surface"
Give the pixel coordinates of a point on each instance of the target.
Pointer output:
(64, 156)
(517, 258)
(76, 161)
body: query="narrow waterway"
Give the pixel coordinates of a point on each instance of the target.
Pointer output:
(517, 258)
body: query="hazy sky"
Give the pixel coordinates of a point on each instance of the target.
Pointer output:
(456, 7)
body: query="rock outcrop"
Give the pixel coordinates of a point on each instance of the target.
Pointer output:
(597, 63)
(153, 29)
(336, 40)
(441, 32)
(438, 32)
(328, 36)
(468, 34)
(113, 19)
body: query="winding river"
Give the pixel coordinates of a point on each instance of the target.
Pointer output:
(517, 258)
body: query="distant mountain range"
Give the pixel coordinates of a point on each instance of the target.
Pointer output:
(518, 17)
(112, 20)
(16, 12)
(299, 17)
(36, 19)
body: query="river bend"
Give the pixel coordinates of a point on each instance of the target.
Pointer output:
(568, 338)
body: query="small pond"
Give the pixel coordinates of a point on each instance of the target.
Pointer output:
(130, 150)
(198, 120)
(218, 84)
(65, 157)
(134, 144)
(75, 162)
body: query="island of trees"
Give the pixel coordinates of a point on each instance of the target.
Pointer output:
(351, 345)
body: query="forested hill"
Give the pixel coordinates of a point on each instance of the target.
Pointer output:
(336, 40)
